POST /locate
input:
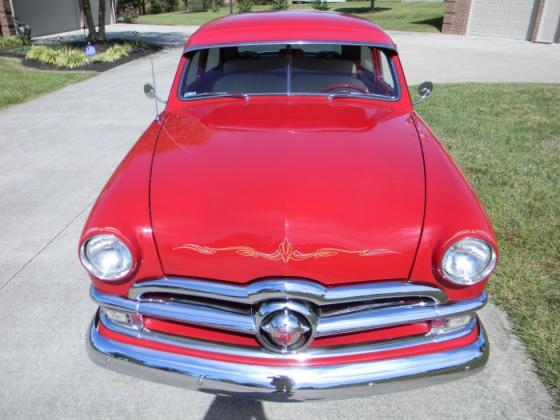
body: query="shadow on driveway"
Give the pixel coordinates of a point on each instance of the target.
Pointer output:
(233, 408)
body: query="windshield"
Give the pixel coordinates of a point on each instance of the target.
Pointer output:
(272, 69)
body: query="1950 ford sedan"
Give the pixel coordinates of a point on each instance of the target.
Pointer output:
(289, 228)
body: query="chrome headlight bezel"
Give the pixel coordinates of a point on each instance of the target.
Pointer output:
(487, 257)
(127, 263)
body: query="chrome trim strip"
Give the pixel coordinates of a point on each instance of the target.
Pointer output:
(397, 315)
(285, 289)
(309, 354)
(297, 383)
(183, 312)
(190, 48)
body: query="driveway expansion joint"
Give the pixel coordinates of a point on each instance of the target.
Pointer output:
(30, 260)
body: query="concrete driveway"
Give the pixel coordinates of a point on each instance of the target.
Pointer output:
(58, 151)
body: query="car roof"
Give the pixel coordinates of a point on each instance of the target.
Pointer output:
(276, 27)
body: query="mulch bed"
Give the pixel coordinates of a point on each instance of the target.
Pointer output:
(141, 50)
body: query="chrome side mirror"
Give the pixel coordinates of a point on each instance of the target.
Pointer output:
(425, 89)
(149, 90)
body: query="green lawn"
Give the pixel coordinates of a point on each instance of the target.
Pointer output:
(394, 15)
(19, 84)
(506, 138)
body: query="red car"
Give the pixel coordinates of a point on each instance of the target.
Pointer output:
(289, 228)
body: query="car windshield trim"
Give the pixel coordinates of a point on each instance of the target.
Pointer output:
(188, 96)
(191, 48)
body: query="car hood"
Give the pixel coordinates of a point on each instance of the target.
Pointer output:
(331, 190)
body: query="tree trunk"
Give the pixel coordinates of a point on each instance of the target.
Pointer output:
(372, 4)
(101, 35)
(90, 24)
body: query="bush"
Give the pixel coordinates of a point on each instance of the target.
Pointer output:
(156, 7)
(12, 42)
(114, 53)
(163, 6)
(129, 14)
(43, 54)
(71, 58)
(245, 6)
(319, 5)
(280, 4)
(23, 30)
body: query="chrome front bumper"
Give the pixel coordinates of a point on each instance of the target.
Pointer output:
(288, 383)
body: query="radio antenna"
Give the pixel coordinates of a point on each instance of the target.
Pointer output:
(155, 90)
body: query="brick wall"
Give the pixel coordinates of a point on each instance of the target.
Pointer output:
(456, 17)
(6, 23)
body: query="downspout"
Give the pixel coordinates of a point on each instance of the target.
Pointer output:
(13, 10)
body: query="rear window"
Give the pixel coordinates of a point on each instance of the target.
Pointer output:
(272, 69)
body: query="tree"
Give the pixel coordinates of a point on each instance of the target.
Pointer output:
(90, 24)
(93, 34)
(372, 5)
(101, 35)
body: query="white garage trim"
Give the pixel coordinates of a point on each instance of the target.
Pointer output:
(549, 25)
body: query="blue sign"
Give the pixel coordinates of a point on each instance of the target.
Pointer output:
(90, 50)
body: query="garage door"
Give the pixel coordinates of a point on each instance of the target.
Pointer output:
(501, 18)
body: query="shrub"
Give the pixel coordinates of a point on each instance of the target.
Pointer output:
(319, 5)
(280, 4)
(71, 58)
(114, 53)
(23, 30)
(43, 54)
(34, 52)
(12, 42)
(157, 6)
(129, 14)
(245, 6)
(163, 6)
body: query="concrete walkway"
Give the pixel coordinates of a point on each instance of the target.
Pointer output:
(57, 152)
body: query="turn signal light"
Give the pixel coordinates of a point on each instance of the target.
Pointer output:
(130, 320)
(446, 325)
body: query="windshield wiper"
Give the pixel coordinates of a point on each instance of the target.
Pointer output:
(216, 94)
(350, 95)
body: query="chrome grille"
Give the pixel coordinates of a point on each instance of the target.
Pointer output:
(340, 310)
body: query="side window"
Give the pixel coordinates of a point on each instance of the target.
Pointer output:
(213, 59)
(365, 58)
(386, 74)
(193, 67)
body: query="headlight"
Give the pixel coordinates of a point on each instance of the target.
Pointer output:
(468, 261)
(106, 257)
